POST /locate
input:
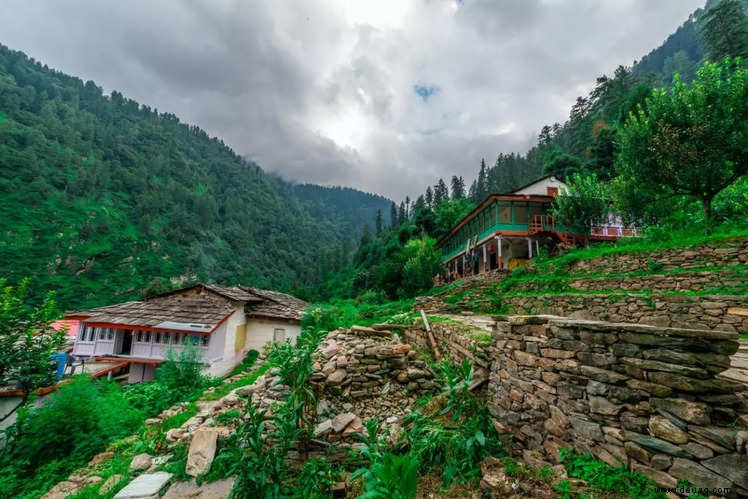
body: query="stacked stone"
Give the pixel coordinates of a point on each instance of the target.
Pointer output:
(730, 252)
(643, 396)
(457, 342)
(725, 312)
(362, 362)
(690, 281)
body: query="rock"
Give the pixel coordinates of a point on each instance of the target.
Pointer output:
(586, 429)
(341, 421)
(663, 428)
(100, 458)
(600, 405)
(603, 375)
(356, 426)
(693, 412)
(656, 444)
(93, 480)
(660, 477)
(324, 428)
(110, 484)
(637, 452)
(141, 462)
(661, 461)
(723, 437)
(152, 421)
(336, 377)
(146, 485)
(323, 407)
(741, 442)
(62, 490)
(494, 479)
(159, 460)
(684, 469)
(732, 466)
(174, 434)
(220, 489)
(699, 451)
(202, 451)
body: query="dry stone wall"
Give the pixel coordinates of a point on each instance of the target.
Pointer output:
(640, 395)
(725, 253)
(725, 312)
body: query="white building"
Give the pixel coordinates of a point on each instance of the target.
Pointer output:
(222, 322)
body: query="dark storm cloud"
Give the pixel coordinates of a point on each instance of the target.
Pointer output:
(328, 92)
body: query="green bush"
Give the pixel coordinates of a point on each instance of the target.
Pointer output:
(72, 425)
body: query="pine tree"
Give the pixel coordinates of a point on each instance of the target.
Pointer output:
(379, 223)
(402, 215)
(726, 30)
(393, 215)
(429, 196)
(481, 190)
(441, 193)
(458, 187)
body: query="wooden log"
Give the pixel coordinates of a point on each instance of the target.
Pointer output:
(432, 340)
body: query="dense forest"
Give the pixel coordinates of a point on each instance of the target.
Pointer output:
(103, 197)
(586, 151)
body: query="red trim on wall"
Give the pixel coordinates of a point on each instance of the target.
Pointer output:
(144, 328)
(221, 322)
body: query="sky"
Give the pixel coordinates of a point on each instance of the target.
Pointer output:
(385, 96)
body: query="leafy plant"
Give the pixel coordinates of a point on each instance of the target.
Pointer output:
(316, 479)
(391, 476)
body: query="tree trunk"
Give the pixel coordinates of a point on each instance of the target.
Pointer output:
(707, 215)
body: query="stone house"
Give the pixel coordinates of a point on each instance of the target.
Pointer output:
(222, 322)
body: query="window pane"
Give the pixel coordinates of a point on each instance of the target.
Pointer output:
(157, 337)
(520, 214)
(102, 333)
(91, 333)
(82, 333)
(505, 214)
(110, 334)
(204, 340)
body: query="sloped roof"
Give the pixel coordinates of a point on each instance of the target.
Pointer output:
(275, 304)
(197, 311)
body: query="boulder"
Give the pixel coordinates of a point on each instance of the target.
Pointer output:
(341, 421)
(141, 462)
(100, 458)
(202, 451)
(62, 490)
(145, 486)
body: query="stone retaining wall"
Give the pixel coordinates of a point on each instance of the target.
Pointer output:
(689, 281)
(725, 253)
(457, 342)
(640, 395)
(724, 312)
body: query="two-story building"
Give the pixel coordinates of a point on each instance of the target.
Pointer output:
(221, 322)
(506, 230)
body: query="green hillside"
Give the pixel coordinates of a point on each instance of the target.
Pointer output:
(102, 195)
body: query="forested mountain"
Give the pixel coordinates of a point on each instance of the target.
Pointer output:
(102, 196)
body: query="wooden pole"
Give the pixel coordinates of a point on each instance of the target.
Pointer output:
(432, 340)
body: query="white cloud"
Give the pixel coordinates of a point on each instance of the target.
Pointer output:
(324, 91)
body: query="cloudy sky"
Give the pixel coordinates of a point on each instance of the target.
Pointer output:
(385, 96)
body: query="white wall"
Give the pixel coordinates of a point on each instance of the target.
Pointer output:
(540, 188)
(261, 331)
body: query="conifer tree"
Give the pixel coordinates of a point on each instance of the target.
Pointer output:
(429, 196)
(393, 215)
(458, 187)
(378, 223)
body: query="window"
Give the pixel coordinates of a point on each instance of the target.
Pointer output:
(157, 337)
(102, 333)
(505, 213)
(279, 335)
(91, 334)
(204, 340)
(195, 339)
(110, 334)
(82, 333)
(520, 213)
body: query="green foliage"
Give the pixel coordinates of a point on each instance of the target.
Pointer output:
(65, 432)
(391, 476)
(102, 194)
(583, 206)
(691, 140)
(422, 262)
(316, 479)
(725, 30)
(605, 477)
(27, 340)
(454, 441)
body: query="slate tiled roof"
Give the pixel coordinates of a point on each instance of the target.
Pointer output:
(275, 304)
(193, 309)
